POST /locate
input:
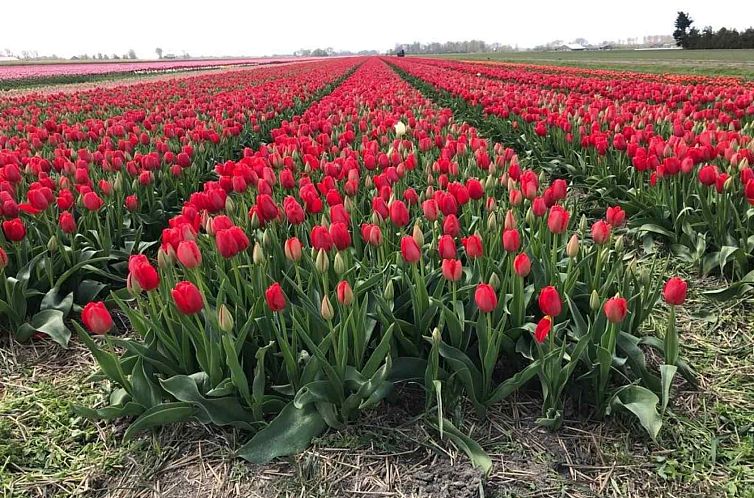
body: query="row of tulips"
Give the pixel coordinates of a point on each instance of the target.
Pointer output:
(89, 178)
(378, 240)
(675, 155)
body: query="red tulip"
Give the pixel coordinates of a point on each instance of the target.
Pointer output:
(14, 230)
(539, 207)
(446, 246)
(410, 250)
(92, 201)
(97, 318)
(615, 309)
(543, 329)
(430, 209)
(340, 235)
(293, 211)
(398, 213)
(616, 216)
(275, 297)
(708, 175)
(473, 246)
(143, 272)
(188, 254)
(321, 238)
(37, 199)
(132, 202)
(344, 293)
(451, 226)
(511, 240)
(557, 221)
(522, 265)
(266, 208)
(187, 298)
(293, 249)
(371, 234)
(3, 259)
(452, 269)
(549, 301)
(600, 232)
(674, 291)
(485, 297)
(67, 222)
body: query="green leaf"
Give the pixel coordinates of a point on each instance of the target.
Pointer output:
(55, 300)
(641, 402)
(667, 372)
(507, 387)
(145, 391)
(108, 362)
(130, 409)
(49, 322)
(166, 413)
(649, 227)
(479, 458)
(290, 432)
(220, 411)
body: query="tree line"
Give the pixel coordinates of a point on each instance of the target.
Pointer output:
(450, 47)
(688, 36)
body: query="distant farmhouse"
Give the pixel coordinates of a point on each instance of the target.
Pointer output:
(571, 47)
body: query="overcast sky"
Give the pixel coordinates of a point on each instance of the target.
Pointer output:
(224, 27)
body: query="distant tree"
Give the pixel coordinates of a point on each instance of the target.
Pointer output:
(131, 53)
(682, 23)
(158, 51)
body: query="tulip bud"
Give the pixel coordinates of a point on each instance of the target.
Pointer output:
(322, 263)
(368, 183)
(229, 205)
(494, 281)
(254, 219)
(728, 183)
(348, 204)
(207, 223)
(326, 309)
(52, 245)
(594, 301)
(339, 264)
(489, 183)
(225, 319)
(163, 258)
(133, 286)
(344, 293)
(257, 255)
(743, 164)
(572, 248)
(644, 276)
(582, 224)
(436, 335)
(510, 220)
(418, 235)
(530, 218)
(118, 183)
(492, 222)
(619, 244)
(389, 292)
(267, 238)
(400, 129)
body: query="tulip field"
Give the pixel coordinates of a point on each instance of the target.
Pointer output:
(280, 254)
